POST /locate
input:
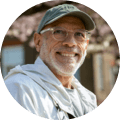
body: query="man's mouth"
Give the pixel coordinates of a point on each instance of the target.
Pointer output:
(67, 54)
(67, 57)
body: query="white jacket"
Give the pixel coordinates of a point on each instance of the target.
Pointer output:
(37, 89)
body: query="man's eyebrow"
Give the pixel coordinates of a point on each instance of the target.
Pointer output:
(54, 24)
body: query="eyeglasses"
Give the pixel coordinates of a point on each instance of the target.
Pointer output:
(60, 34)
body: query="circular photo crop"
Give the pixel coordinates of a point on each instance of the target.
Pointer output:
(60, 60)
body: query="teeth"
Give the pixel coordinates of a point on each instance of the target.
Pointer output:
(70, 55)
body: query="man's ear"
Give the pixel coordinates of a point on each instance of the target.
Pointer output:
(87, 43)
(37, 41)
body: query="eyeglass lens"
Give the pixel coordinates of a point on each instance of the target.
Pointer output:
(61, 33)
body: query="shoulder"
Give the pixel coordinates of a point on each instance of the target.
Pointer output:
(84, 92)
(19, 83)
(28, 93)
(88, 98)
(18, 78)
(22, 86)
(90, 94)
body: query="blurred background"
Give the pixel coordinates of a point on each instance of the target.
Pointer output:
(100, 69)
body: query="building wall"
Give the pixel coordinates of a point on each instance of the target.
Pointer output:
(104, 78)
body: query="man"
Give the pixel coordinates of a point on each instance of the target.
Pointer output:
(48, 88)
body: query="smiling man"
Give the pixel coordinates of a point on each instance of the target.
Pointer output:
(48, 88)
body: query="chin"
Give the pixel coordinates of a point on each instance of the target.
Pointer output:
(64, 72)
(66, 69)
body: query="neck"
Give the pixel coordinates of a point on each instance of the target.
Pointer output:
(65, 80)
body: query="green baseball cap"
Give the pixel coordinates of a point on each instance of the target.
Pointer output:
(59, 11)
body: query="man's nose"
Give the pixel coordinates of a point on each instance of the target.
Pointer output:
(70, 41)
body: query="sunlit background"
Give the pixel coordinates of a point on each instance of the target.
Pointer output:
(101, 66)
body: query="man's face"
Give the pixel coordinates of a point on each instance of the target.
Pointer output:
(63, 57)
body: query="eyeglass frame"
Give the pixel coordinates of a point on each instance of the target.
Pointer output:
(53, 28)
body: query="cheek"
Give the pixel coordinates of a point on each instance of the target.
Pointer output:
(48, 41)
(53, 46)
(83, 46)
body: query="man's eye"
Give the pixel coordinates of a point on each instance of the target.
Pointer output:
(58, 32)
(79, 34)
